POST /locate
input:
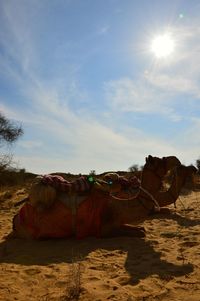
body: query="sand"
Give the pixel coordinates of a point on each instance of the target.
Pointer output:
(162, 266)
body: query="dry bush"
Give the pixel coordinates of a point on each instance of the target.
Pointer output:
(196, 181)
(11, 177)
(73, 283)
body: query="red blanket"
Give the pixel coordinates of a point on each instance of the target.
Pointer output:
(58, 221)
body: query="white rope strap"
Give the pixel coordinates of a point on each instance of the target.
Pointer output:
(157, 206)
(124, 199)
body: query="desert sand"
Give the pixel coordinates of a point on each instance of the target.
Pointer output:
(162, 266)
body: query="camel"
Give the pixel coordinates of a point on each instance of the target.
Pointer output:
(122, 213)
(106, 208)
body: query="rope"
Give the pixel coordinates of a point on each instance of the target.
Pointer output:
(157, 206)
(124, 199)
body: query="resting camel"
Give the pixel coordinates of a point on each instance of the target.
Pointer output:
(104, 209)
(134, 212)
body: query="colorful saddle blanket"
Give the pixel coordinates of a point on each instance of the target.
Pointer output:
(63, 220)
(60, 222)
(59, 183)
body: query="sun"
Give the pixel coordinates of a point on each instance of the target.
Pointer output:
(163, 45)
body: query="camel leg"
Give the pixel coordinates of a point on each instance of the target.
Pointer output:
(124, 230)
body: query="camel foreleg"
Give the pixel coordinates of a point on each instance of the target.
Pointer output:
(124, 230)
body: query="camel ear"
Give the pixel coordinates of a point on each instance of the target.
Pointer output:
(149, 158)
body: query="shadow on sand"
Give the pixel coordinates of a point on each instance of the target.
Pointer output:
(183, 221)
(142, 260)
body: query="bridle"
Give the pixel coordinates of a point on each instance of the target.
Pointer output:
(155, 202)
(135, 196)
(140, 188)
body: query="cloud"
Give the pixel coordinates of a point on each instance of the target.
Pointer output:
(140, 96)
(162, 87)
(16, 30)
(72, 140)
(98, 149)
(30, 144)
(103, 30)
(173, 84)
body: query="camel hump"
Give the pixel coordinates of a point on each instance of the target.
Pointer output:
(60, 184)
(45, 189)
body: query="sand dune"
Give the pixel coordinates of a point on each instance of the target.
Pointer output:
(162, 266)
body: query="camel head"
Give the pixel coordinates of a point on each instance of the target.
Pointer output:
(187, 172)
(156, 165)
(161, 165)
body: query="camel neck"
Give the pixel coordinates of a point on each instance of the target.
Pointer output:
(171, 195)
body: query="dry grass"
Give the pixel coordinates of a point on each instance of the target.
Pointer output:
(73, 289)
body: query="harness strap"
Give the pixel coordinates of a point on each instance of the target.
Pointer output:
(124, 199)
(157, 206)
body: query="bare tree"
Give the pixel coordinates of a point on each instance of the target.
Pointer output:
(134, 168)
(9, 133)
(198, 165)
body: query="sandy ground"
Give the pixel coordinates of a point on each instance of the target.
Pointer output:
(162, 266)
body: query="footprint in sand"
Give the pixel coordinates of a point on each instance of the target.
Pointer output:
(123, 280)
(32, 272)
(189, 244)
(49, 276)
(93, 278)
(61, 284)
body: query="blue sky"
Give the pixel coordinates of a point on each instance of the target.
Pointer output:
(81, 78)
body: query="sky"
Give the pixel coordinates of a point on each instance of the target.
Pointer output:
(82, 79)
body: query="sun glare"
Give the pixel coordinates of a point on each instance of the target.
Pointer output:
(162, 46)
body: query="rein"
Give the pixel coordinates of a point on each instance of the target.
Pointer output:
(140, 188)
(157, 206)
(124, 199)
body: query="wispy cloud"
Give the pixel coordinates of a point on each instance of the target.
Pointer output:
(159, 87)
(103, 30)
(174, 84)
(139, 96)
(30, 144)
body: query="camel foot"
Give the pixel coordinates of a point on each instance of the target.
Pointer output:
(163, 210)
(124, 230)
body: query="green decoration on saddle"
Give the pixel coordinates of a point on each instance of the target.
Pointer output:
(91, 179)
(110, 182)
